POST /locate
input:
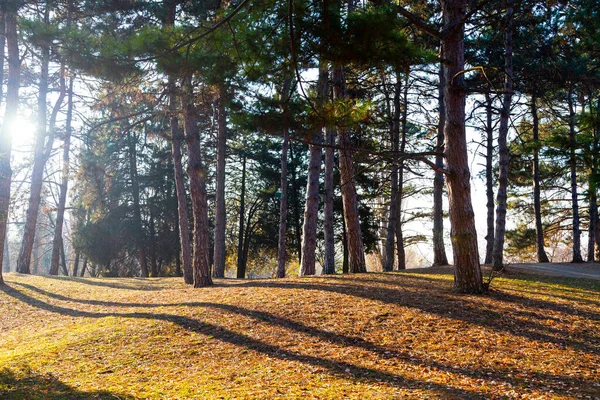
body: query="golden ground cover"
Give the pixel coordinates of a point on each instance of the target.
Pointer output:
(356, 336)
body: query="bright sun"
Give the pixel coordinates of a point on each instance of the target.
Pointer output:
(23, 131)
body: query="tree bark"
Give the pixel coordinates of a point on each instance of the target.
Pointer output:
(329, 266)
(489, 179)
(399, 232)
(220, 212)
(349, 198)
(197, 174)
(393, 215)
(311, 206)
(281, 250)
(503, 154)
(537, 207)
(577, 258)
(64, 184)
(439, 248)
(241, 265)
(467, 275)
(176, 139)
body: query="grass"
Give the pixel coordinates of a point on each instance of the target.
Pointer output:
(358, 336)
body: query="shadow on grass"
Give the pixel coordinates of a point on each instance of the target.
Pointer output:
(334, 367)
(31, 386)
(145, 283)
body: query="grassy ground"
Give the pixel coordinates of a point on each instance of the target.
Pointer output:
(367, 336)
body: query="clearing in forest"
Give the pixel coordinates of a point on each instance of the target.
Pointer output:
(358, 336)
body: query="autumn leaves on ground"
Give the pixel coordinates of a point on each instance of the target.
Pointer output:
(367, 336)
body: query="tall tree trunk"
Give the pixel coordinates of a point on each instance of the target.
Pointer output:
(393, 215)
(241, 265)
(489, 179)
(439, 248)
(176, 139)
(537, 206)
(503, 154)
(281, 249)
(349, 197)
(197, 174)
(220, 216)
(467, 275)
(10, 114)
(399, 232)
(137, 212)
(573, 175)
(593, 190)
(311, 207)
(39, 163)
(64, 184)
(182, 206)
(329, 266)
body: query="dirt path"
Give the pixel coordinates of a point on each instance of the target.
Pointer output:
(569, 270)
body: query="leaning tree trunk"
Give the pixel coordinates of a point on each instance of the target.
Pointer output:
(489, 179)
(537, 206)
(467, 275)
(176, 139)
(197, 174)
(439, 248)
(503, 155)
(64, 185)
(220, 216)
(311, 206)
(573, 175)
(281, 250)
(349, 198)
(42, 152)
(393, 215)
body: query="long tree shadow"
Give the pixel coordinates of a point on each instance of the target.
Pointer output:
(146, 284)
(31, 386)
(334, 367)
(339, 368)
(458, 308)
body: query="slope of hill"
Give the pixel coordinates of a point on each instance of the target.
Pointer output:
(359, 336)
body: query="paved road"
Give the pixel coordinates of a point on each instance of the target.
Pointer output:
(585, 270)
